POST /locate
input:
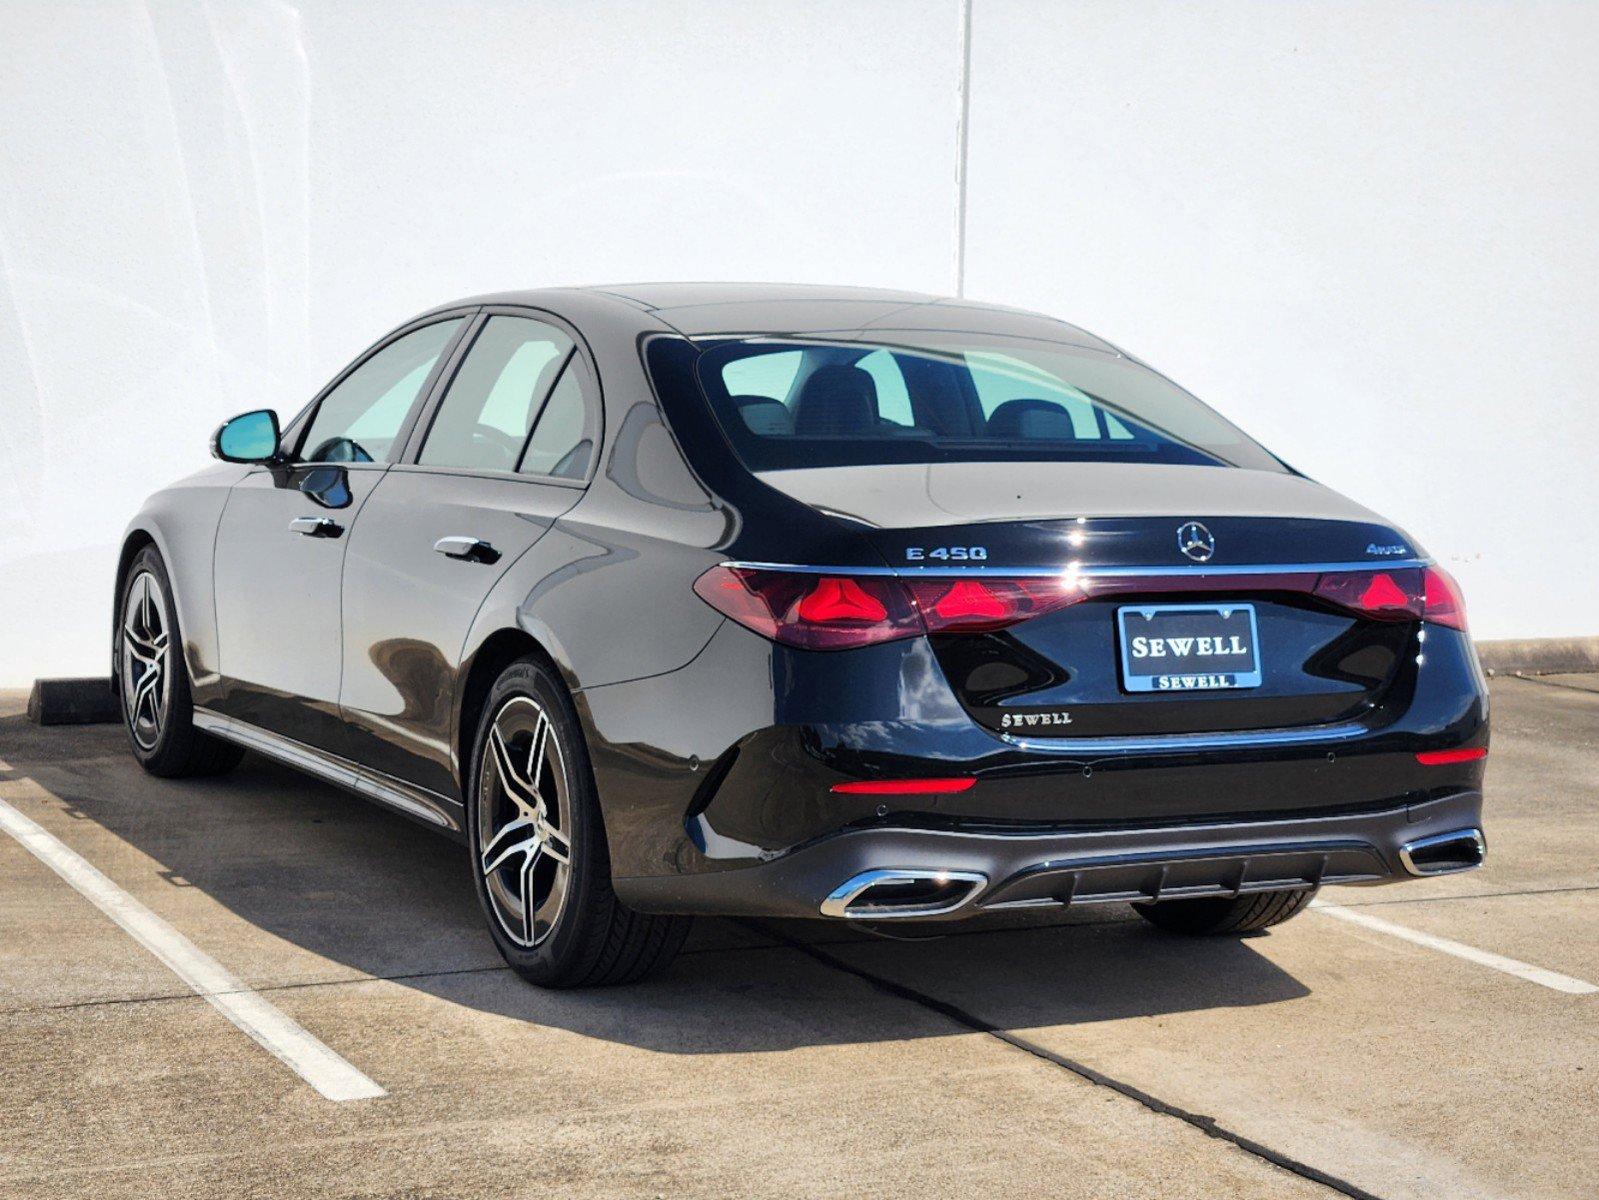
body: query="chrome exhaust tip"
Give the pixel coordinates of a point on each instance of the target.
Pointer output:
(883, 895)
(1444, 853)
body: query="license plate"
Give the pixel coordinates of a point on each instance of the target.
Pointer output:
(1188, 647)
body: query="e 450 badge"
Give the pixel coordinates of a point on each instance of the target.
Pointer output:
(946, 553)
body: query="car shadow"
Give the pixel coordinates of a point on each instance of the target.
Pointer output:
(361, 888)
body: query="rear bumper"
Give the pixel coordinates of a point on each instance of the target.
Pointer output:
(997, 872)
(715, 782)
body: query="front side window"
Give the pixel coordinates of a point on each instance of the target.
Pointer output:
(496, 398)
(787, 403)
(359, 420)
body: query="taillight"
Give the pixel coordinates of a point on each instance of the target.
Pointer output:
(1381, 595)
(1444, 604)
(1404, 594)
(837, 612)
(972, 605)
(813, 612)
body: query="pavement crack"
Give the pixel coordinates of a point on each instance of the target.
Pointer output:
(1207, 1125)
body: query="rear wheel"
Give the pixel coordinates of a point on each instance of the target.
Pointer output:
(540, 862)
(1239, 914)
(153, 681)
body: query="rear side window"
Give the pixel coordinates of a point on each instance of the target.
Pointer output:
(359, 419)
(562, 444)
(497, 395)
(790, 403)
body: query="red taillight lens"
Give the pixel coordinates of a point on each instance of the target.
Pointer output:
(1444, 604)
(972, 605)
(1381, 595)
(1440, 758)
(1398, 595)
(837, 612)
(840, 601)
(813, 612)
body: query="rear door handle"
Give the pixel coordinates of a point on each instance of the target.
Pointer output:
(469, 549)
(325, 527)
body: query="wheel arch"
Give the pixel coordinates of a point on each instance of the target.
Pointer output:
(493, 654)
(135, 540)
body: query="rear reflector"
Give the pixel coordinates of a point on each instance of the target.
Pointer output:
(1439, 758)
(905, 787)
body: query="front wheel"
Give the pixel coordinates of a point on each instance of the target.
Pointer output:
(539, 857)
(153, 681)
(1237, 914)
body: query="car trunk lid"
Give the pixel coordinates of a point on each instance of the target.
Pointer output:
(1215, 599)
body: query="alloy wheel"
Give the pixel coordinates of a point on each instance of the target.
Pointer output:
(524, 844)
(146, 659)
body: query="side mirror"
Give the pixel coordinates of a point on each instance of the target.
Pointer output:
(250, 437)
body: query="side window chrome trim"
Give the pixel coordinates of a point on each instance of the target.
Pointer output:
(485, 473)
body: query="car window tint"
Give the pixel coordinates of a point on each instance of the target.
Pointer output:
(1000, 379)
(949, 396)
(563, 440)
(483, 421)
(769, 375)
(893, 400)
(359, 419)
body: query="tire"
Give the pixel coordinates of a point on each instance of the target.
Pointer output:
(579, 934)
(1240, 914)
(153, 679)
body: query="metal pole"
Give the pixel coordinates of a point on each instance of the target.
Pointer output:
(962, 135)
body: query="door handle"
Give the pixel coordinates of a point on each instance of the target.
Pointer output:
(325, 527)
(469, 549)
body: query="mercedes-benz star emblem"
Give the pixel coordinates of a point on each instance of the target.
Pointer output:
(1194, 540)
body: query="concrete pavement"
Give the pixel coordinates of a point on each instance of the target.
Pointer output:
(1081, 1056)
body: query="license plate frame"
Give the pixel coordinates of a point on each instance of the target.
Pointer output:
(1141, 679)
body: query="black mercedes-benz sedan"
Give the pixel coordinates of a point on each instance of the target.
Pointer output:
(805, 602)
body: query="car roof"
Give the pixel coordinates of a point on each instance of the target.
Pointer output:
(705, 309)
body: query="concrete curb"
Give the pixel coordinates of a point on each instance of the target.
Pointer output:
(1540, 656)
(73, 702)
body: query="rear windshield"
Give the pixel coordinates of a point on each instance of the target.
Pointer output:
(787, 403)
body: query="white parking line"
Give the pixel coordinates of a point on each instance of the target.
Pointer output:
(1510, 966)
(283, 1037)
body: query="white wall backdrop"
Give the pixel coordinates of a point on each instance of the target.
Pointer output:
(1364, 230)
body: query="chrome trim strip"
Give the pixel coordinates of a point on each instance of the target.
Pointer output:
(1092, 572)
(1440, 839)
(839, 900)
(406, 799)
(1177, 743)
